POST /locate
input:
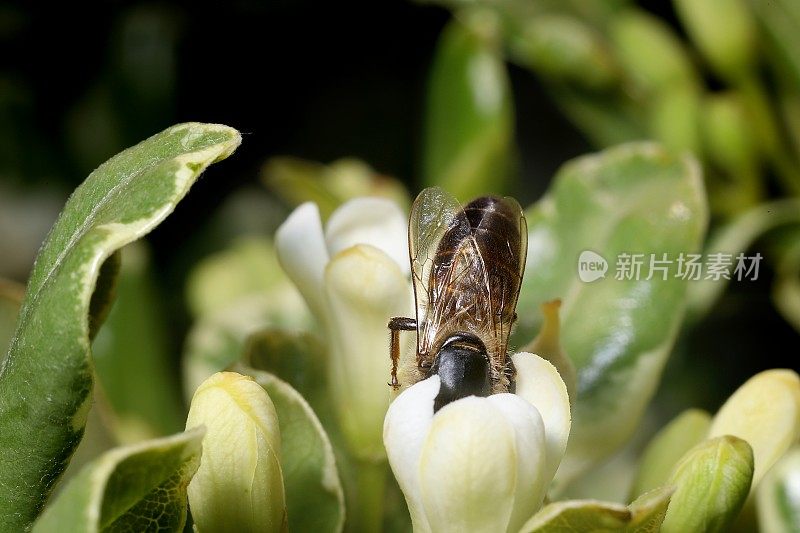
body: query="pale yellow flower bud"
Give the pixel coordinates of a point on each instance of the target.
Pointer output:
(239, 485)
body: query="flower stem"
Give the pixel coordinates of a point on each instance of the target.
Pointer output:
(367, 515)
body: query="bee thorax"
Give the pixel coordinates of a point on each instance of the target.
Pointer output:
(463, 368)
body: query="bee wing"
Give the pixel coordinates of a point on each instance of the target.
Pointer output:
(493, 265)
(433, 214)
(519, 255)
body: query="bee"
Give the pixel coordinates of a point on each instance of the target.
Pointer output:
(467, 265)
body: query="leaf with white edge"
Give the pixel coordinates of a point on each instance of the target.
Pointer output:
(765, 412)
(642, 516)
(104, 294)
(649, 509)
(778, 497)
(314, 496)
(469, 123)
(578, 515)
(46, 380)
(667, 447)
(132, 488)
(736, 237)
(635, 198)
(712, 482)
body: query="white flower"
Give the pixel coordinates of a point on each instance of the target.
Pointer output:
(240, 479)
(479, 464)
(354, 275)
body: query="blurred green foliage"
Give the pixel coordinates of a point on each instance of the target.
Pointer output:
(717, 78)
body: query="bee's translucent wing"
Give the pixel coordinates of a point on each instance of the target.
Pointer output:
(433, 214)
(486, 277)
(514, 252)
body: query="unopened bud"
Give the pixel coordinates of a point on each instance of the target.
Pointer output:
(239, 484)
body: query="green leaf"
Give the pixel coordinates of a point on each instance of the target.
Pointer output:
(297, 358)
(674, 119)
(642, 516)
(786, 291)
(712, 482)
(728, 42)
(46, 381)
(105, 292)
(735, 237)
(650, 52)
(131, 355)
(98, 438)
(648, 510)
(566, 50)
(636, 198)
(777, 497)
(780, 19)
(668, 446)
(11, 295)
(605, 120)
(469, 123)
(131, 488)
(314, 497)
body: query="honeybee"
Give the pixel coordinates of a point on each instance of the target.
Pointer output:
(467, 265)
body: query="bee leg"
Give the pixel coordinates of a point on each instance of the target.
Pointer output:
(396, 325)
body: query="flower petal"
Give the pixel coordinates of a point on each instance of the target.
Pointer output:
(374, 221)
(765, 412)
(532, 479)
(364, 288)
(468, 468)
(539, 383)
(300, 245)
(239, 479)
(404, 431)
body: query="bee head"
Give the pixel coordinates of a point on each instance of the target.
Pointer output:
(462, 364)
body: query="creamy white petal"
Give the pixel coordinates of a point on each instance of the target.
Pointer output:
(539, 383)
(468, 468)
(301, 249)
(404, 432)
(764, 411)
(532, 480)
(364, 288)
(239, 479)
(375, 221)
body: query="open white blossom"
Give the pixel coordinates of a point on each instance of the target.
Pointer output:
(479, 464)
(354, 275)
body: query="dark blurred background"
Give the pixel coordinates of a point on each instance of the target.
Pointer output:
(317, 80)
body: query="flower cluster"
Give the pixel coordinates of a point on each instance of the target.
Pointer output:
(354, 275)
(476, 461)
